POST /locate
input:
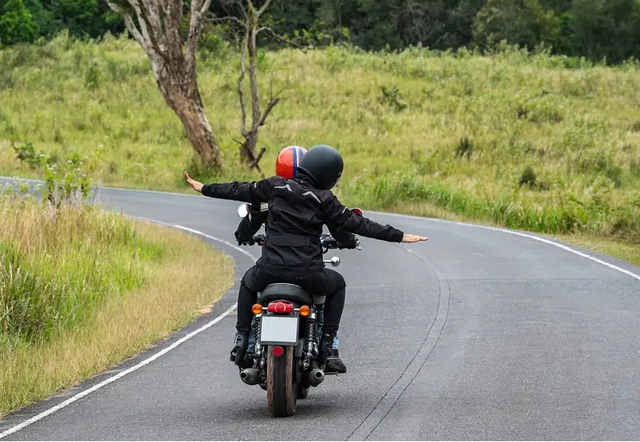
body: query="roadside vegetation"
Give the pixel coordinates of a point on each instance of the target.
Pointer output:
(82, 289)
(529, 141)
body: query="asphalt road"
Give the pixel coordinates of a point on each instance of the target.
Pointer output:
(475, 334)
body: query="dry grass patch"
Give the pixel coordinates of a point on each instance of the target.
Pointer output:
(165, 279)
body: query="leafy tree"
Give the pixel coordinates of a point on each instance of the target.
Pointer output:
(80, 17)
(17, 24)
(42, 16)
(605, 29)
(521, 22)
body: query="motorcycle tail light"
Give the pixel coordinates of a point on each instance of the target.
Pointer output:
(280, 307)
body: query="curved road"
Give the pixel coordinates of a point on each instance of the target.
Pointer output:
(477, 334)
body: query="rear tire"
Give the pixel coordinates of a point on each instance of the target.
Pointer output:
(282, 389)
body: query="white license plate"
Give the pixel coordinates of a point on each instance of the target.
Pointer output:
(281, 330)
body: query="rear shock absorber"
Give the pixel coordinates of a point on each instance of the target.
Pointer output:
(310, 343)
(319, 322)
(255, 334)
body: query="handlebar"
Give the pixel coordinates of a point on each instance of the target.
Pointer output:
(326, 241)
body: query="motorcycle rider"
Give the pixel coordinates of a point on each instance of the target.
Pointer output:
(287, 164)
(298, 208)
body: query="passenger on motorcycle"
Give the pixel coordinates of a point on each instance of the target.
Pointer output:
(287, 164)
(298, 208)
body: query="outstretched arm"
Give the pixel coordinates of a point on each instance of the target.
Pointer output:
(341, 218)
(255, 192)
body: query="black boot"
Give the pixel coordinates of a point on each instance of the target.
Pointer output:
(326, 342)
(334, 363)
(240, 348)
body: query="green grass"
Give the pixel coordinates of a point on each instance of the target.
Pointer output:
(527, 141)
(57, 266)
(82, 289)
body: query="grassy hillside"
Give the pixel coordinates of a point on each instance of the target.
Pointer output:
(82, 289)
(533, 142)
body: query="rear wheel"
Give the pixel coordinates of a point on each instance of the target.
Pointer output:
(282, 388)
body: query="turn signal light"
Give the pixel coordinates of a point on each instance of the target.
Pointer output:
(256, 309)
(305, 310)
(280, 307)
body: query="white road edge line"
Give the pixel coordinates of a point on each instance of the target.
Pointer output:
(524, 235)
(147, 361)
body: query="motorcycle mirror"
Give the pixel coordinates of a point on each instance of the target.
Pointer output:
(357, 211)
(334, 261)
(243, 210)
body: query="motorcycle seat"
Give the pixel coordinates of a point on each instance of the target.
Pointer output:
(289, 292)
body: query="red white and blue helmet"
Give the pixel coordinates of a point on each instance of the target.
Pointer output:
(288, 161)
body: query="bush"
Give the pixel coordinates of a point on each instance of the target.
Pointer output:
(67, 179)
(528, 178)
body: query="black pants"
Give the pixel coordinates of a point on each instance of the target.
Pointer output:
(325, 282)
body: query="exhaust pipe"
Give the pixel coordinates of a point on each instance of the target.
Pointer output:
(250, 376)
(315, 377)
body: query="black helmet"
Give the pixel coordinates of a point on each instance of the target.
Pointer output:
(323, 164)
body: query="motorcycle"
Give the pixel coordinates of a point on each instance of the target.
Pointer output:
(287, 327)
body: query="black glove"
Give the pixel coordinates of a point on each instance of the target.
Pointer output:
(247, 242)
(349, 242)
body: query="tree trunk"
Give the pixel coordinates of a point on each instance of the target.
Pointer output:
(156, 28)
(188, 107)
(250, 141)
(180, 91)
(250, 50)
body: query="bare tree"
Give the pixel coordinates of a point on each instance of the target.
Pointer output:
(155, 24)
(249, 50)
(416, 21)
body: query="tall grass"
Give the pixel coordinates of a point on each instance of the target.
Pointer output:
(82, 288)
(57, 266)
(532, 141)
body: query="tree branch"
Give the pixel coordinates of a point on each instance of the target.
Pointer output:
(205, 7)
(139, 31)
(253, 160)
(152, 17)
(218, 20)
(194, 34)
(267, 111)
(262, 9)
(257, 160)
(243, 107)
(282, 39)
(143, 24)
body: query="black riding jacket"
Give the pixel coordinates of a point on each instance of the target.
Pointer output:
(297, 212)
(257, 216)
